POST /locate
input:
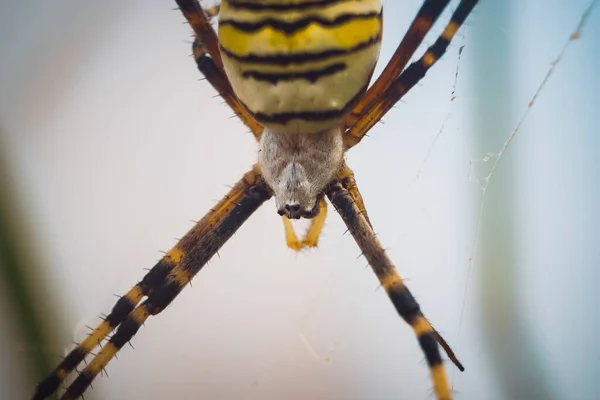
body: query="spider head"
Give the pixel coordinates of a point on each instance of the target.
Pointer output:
(295, 196)
(294, 210)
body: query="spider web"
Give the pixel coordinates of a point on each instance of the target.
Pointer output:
(528, 378)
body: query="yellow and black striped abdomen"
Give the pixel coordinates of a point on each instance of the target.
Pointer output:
(299, 66)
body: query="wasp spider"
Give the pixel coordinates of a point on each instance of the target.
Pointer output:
(296, 72)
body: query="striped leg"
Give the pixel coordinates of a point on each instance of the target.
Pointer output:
(249, 194)
(208, 59)
(218, 80)
(311, 238)
(155, 278)
(346, 178)
(199, 21)
(122, 308)
(405, 304)
(409, 78)
(426, 17)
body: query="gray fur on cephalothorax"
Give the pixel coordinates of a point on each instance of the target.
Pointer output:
(298, 167)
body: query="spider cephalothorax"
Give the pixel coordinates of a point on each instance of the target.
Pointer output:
(295, 73)
(298, 167)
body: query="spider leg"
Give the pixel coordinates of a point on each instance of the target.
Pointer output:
(347, 180)
(218, 80)
(239, 208)
(207, 236)
(422, 23)
(404, 302)
(198, 19)
(291, 239)
(122, 308)
(311, 237)
(409, 78)
(346, 176)
(208, 59)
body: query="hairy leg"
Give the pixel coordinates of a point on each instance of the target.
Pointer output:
(409, 78)
(156, 278)
(346, 177)
(208, 59)
(424, 20)
(348, 182)
(218, 80)
(200, 23)
(239, 208)
(405, 304)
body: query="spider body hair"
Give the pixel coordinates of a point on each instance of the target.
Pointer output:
(297, 167)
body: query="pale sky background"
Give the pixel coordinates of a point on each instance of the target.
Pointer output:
(115, 146)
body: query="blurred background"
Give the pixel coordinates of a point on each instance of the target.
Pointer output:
(110, 145)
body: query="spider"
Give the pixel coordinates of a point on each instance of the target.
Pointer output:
(296, 73)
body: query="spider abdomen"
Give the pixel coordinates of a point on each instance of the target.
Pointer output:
(299, 66)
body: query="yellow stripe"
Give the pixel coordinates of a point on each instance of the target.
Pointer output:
(174, 256)
(313, 39)
(94, 338)
(61, 374)
(421, 326)
(391, 281)
(429, 59)
(253, 43)
(102, 359)
(103, 329)
(440, 383)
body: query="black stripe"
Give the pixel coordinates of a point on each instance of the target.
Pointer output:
(404, 303)
(119, 312)
(289, 28)
(197, 258)
(430, 10)
(51, 383)
(46, 387)
(193, 262)
(155, 277)
(402, 299)
(285, 59)
(429, 345)
(128, 329)
(283, 118)
(256, 6)
(79, 386)
(312, 75)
